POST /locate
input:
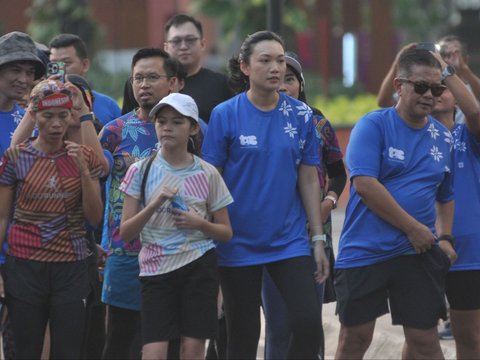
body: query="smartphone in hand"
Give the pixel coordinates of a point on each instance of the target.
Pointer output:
(427, 46)
(56, 68)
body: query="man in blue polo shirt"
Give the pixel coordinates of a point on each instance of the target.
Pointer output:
(400, 210)
(71, 49)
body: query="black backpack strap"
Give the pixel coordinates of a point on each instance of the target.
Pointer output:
(145, 176)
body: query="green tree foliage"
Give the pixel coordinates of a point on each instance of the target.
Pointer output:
(243, 17)
(421, 20)
(53, 17)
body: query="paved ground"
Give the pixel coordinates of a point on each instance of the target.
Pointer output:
(388, 339)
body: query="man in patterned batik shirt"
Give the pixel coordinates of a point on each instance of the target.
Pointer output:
(129, 138)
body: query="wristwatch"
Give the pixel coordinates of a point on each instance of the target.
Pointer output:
(448, 71)
(322, 237)
(87, 117)
(333, 200)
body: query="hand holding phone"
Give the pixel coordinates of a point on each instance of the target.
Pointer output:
(56, 68)
(427, 46)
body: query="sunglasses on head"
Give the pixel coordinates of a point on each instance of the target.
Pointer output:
(421, 87)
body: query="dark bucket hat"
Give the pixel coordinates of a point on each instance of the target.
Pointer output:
(18, 46)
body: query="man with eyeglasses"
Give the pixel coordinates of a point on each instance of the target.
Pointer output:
(395, 248)
(184, 41)
(130, 138)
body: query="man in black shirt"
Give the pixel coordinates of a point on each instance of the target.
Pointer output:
(184, 41)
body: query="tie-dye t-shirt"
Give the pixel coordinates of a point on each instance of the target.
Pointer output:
(48, 220)
(129, 139)
(164, 247)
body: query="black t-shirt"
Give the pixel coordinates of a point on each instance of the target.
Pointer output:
(208, 88)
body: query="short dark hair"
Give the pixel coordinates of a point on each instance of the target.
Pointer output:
(181, 19)
(169, 64)
(413, 57)
(180, 71)
(66, 40)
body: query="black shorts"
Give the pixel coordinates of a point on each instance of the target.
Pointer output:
(463, 289)
(40, 283)
(412, 285)
(182, 302)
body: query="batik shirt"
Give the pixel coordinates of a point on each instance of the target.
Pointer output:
(165, 247)
(129, 139)
(48, 220)
(329, 153)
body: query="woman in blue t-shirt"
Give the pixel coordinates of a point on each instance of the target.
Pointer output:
(277, 329)
(264, 143)
(463, 279)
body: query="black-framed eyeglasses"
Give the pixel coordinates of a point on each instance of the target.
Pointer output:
(189, 41)
(421, 87)
(150, 78)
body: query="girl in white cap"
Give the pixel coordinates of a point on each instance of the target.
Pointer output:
(177, 203)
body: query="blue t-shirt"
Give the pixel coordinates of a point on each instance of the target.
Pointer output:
(105, 108)
(414, 165)
(466, 220)
(260, 153)
(8, 121)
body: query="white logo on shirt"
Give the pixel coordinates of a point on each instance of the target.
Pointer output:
(433, 131)
(52, 183)
(17, 117)
(436, 153)
(461, 165)
(290, 130)
(285, 108)
(396, 154)
(250, 140)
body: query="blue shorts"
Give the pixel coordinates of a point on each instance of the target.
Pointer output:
(121, 286)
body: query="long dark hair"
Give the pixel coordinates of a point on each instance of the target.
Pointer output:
(238, 81)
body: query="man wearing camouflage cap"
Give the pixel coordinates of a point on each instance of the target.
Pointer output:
(19, 68)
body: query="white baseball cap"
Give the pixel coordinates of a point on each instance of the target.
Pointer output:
(184, 104)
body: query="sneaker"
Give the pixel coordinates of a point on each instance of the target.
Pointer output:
(446, 333)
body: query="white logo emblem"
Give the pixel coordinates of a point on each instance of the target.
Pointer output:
(290, 130)
(433, 131)
(437, 154)
(396, 154)
(285, 108)
(52, 183)
(250, 140)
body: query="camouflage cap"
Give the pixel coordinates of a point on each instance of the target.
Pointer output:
(18, 46)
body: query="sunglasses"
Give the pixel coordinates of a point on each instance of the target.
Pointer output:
(421, 87)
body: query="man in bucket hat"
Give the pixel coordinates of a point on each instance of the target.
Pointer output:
(19, 68)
